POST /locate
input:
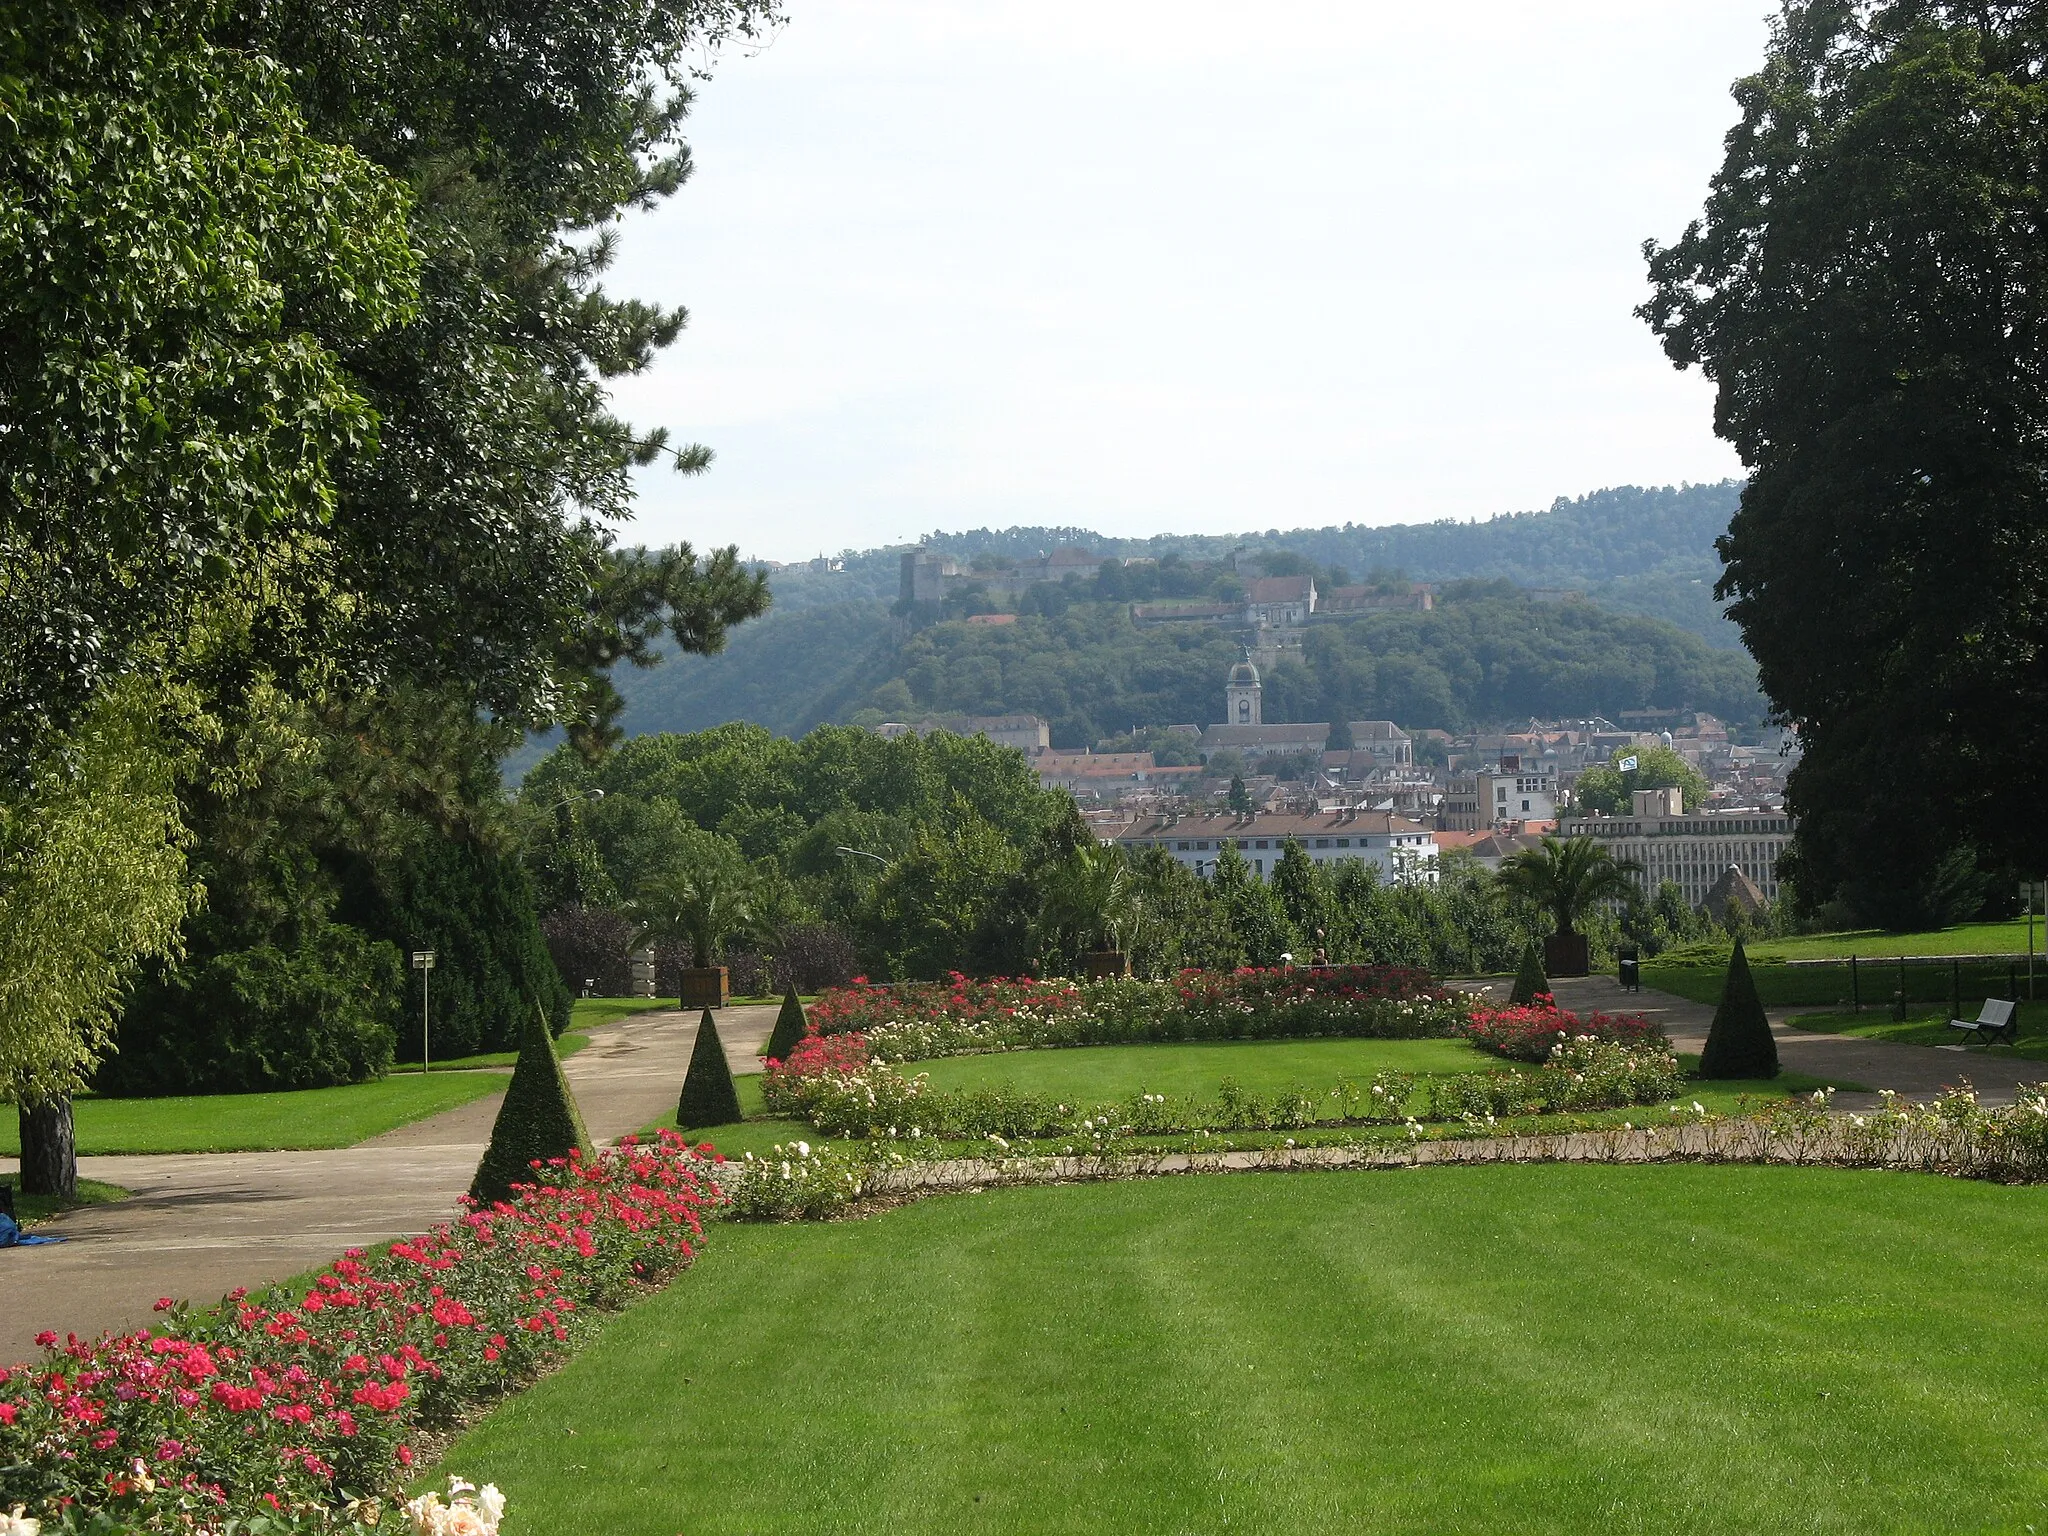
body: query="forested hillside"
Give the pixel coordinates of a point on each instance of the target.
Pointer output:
(1650, 635)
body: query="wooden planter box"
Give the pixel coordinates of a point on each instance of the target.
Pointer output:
(1103, 963)
(1566, 955)
(705, 987)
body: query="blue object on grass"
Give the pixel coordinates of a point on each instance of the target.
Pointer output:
(11, 1235)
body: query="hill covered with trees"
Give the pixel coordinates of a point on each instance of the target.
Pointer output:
(1647, 634)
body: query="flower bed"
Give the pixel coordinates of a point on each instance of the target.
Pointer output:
(295, 1405)
(916, 1021)
(1531, 1034)
(845, 1091)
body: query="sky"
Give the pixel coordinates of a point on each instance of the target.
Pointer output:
(1150, 267)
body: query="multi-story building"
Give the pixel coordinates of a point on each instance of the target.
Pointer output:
(1403, 849)
(1692, 849)
(1515, 789)
(1279, 601)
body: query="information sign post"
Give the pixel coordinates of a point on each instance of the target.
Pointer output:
(423, 962)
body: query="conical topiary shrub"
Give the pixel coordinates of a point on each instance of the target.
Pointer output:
(1530, 982)
(789, 1028)
(1739, 1045)
(537, 1121)
(709, 1097)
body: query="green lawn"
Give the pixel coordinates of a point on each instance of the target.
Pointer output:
(566, 1045)
(1087, 1074)
(2007, 938)
(1930, 1027)
(260, 1122)
(589, 1012)
(30, 1209)
(1546, 1349)
(1104, 1072)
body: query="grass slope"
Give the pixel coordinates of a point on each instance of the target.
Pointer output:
(262, 1122)
(2007, 938)
(1534, 1349)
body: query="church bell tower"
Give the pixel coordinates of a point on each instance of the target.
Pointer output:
(1241, 695)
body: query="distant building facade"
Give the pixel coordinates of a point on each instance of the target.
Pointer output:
(1027, 733)
(1402, 849)
(1692, 849)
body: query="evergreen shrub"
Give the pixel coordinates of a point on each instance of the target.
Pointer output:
(1739, 1044)
(788, 1031)
(709, 1097)
(538, 1120)
(1530, 982)
(260, 1019)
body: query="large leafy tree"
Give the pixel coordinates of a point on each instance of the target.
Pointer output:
(1868, 289)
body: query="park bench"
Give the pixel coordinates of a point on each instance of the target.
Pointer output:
(1995, 1023)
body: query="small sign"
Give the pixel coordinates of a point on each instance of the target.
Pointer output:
(1627, 765)
(423, 959)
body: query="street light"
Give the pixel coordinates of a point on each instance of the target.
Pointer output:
(581, 794)
(862, 853)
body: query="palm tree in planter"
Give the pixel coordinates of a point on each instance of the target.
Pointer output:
(1568, 880)
(696, 906)
(1091, 908)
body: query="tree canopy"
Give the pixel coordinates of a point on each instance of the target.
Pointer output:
(1868, 289)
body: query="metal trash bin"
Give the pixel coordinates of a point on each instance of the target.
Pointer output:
(1631, 974)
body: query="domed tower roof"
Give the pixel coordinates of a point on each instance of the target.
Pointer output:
(1244, 672)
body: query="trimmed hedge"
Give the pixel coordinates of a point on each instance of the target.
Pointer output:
(789, 1029)
(537, 1122)
(1739, 1045)
(1530, 982)
(709, 1097)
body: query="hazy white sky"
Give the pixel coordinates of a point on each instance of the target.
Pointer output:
(1146, 266)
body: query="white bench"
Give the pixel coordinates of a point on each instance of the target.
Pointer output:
(1994, 1024)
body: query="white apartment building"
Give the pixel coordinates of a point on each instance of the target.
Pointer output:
(1691, 850)
(1518, 789)
(1403, 849)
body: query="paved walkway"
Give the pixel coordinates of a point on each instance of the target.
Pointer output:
(1913, 1071)
(202, 1224)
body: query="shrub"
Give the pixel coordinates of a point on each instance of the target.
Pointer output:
(789, 1030)
(538, 1121)
(708, 1097)
(474, 908)
(1532, 1034)
(249, 1020)
(809, 957)
(924, 1019)
(589, 944)
(295, 1402)
(1530, 982)
(1739, 1043)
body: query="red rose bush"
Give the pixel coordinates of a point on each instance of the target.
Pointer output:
(1532, 1033)
(298, 1405)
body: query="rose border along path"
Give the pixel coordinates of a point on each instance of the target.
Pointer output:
(1913, 1071)
(201, 1224)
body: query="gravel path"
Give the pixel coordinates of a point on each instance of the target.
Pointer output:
(202, 1224)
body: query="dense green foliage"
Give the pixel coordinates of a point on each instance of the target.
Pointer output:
(245, 1020)
(1486, 653)
(1611, 790)
(1869, 291)
(538, 1120)
(1739, 1042)
(709, 1097)
(1569, 879)
(1543, 1351)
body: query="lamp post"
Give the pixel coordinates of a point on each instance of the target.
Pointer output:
(423, 962)
(862, 853)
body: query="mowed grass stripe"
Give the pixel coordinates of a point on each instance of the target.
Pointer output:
(308, 1119)
(1532, 1349)
(1089, 1074)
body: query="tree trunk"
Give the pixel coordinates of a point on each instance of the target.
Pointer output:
(49, 1150)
